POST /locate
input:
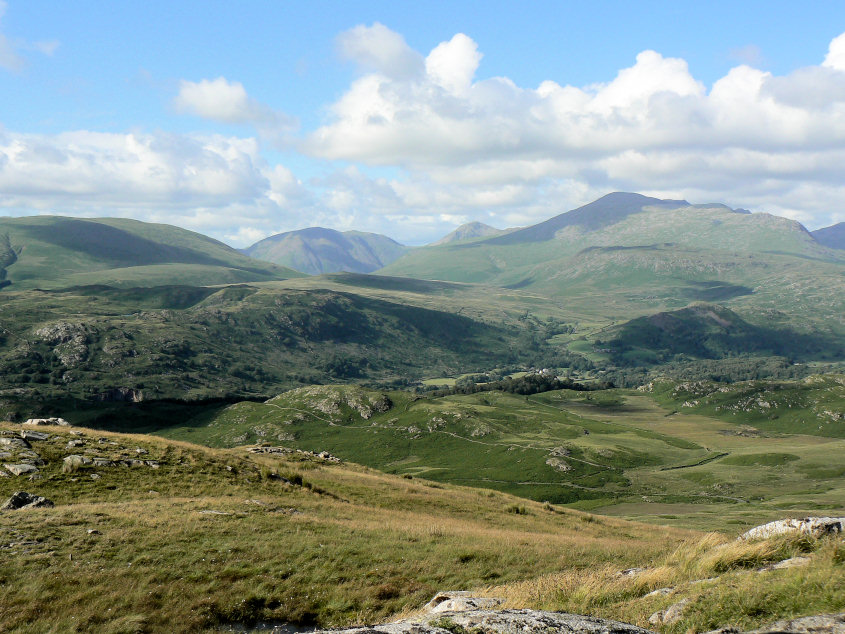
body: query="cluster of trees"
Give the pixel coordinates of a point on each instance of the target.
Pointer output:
(728, 370)
(527, 384)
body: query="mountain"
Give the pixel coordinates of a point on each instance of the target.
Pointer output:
(317, 250)
(469, 231)
(833, 237)
(626, 255)
(605, 211)
(56, 252)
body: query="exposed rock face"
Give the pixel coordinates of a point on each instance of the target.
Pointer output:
(457, 611)
(33, 435)
(459, 601)
(815, 526)
(323, 455)
(47, 421)
(24, 500)
(21, 469)
(670, 615)
(501, 622)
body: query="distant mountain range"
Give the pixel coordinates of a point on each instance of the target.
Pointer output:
(317, 250)
(625, 254)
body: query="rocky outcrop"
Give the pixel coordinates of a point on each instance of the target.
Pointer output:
(457, 612)
(47, 421)
(322, 455)
(815, 526)
(21, 469)
(24, 500)
(500, 622)
(460, 601)
(670, 615)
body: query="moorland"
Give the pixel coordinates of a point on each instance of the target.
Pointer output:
(505, 411)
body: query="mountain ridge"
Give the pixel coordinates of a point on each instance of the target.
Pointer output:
(55, 251)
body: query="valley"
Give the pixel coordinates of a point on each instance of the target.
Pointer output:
(501, 411)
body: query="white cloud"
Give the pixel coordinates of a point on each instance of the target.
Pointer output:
(379, 49)
(836, 53)
(459, 148)
(452, 64)
(208, 183)
(474, 145)
(228, 102)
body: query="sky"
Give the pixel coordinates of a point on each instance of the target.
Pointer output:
(242, 120)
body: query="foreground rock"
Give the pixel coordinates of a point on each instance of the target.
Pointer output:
(24, 500)
(500, 622)
(460, 601)
(672, 614)
(815, 526)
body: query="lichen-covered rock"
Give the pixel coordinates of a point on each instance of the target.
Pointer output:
(460, 601)
(24, 500)
(61, 422)
(21, 469)
(14, 443)
(815, 526)
(30, 436)
(670, 615)
(500, 622)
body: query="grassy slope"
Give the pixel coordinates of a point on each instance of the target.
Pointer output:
(622, 452)
(214, 537)
(211, 537)
(54, 252)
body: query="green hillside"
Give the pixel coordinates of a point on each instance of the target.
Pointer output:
(317, 250)
(96, 344)
(705, 331)
(617, 450)
(56, 252)
(626, 255)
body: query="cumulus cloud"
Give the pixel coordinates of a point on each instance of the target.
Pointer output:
(209, 183)
(379, 49)
(452, 64)
(227, 101)
(461, 146)
(489, 144)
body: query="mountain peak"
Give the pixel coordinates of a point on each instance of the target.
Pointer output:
(317, 250)
(468, 231)
(607, 210)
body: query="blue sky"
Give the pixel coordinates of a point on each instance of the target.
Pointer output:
(245, 119)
